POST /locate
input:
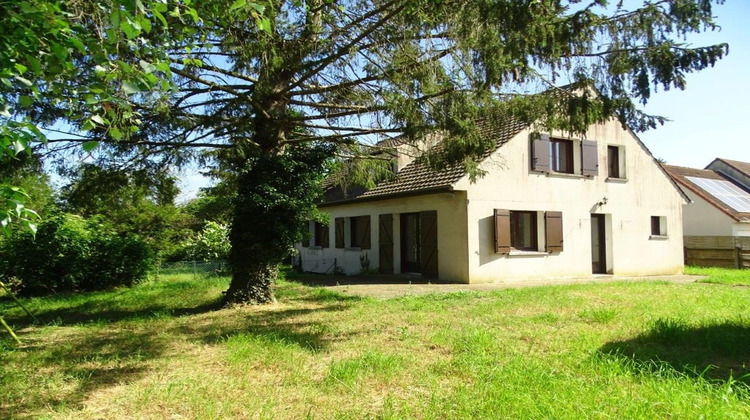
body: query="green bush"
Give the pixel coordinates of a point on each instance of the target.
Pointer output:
(117, 261)
(71, 254)
(210, 244)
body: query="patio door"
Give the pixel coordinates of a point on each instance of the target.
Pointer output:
(419, 253)
(385, 244)
(598, 245)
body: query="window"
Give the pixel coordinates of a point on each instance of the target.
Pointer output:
(565, 156)
(616, 162)
(658, 226)
(520, 230)
(561, 156)
(523, 231)
(613, 161)
(360, 232)
(321, 235)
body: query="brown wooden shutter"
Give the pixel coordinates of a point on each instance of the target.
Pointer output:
(502, 231)
(339, 232)
(428, 244)
(325, 236)
(540, 154)
(589, 158)
(306, 238)
(365, 225)
(554, 231)
(385, 243)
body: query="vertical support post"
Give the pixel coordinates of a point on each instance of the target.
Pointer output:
(738, 259)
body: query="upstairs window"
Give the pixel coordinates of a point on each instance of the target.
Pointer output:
(561, 156)
(565, 156)
(615, 162)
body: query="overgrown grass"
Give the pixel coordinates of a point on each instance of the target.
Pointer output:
(166, 350)
(729, 276)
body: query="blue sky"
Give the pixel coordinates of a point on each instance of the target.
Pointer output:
(709, 119)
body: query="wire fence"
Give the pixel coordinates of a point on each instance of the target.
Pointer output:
(198, 269)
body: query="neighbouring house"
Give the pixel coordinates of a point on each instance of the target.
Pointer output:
(549, 206)
(716, 225)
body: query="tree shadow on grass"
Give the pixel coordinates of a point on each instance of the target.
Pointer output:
(718, 352)
(99, 352)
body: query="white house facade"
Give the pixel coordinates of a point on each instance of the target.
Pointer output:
(550, 206)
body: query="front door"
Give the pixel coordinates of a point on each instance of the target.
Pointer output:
(598, 245)
(419, 253)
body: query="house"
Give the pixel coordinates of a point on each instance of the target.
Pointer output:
(716, 225)
(549, 206)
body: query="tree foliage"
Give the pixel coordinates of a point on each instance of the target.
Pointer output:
(70, 253)
(80, 62)
(270, 85)
(136, 202)
(210, 244)
(26, 186)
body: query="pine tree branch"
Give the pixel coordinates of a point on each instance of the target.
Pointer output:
(223, 88)
(316, 67)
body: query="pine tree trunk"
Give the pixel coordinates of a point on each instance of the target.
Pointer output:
(277, 192)
(254, 266)
(252, 283)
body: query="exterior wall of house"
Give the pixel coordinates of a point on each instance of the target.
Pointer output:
(627, 204)
(741, 229)
(451, 229)
(703, 219)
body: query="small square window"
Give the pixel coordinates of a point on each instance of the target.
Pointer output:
(561, 156)
(523, 230)
(658, 226)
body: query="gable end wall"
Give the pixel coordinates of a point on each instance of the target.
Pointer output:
(630, 203)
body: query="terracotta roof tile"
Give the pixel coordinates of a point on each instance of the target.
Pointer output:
(419, 178)
(681, 172)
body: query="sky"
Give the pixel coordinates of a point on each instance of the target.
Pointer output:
(709, 119)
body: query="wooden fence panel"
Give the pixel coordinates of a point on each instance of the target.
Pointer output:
(709, 242)
(717, 251)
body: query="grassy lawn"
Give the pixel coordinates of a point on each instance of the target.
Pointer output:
(164, 350)
(721, 275)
